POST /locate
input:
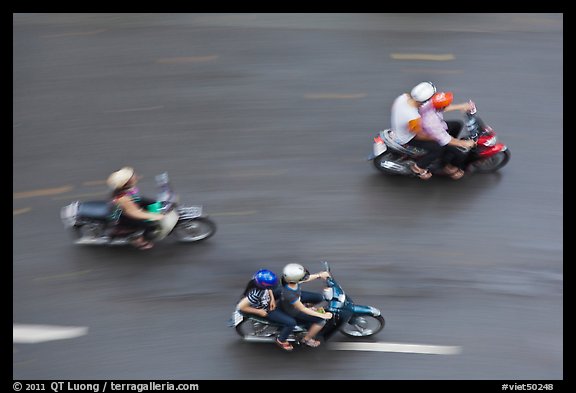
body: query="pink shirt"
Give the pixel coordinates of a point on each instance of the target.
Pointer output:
(433, 124)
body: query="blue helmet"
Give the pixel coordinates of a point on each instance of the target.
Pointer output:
(265, 278)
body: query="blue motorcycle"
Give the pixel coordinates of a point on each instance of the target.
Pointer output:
(349, 318)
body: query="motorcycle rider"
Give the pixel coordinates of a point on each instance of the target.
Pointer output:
(258, 298)
(129, 206)
(406, 124)
(292, 300)
(435, 128)
(453, 157)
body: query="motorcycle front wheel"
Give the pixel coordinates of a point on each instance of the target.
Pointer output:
(195, 229)
(493, 163)
(363, 326)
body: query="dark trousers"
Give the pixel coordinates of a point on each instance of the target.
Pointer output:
(314, 298)
(432, 149)
(288, 323)
(454, 156)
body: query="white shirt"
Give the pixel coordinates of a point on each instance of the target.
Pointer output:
(402, 113)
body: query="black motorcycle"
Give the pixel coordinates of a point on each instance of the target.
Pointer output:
(91, 222)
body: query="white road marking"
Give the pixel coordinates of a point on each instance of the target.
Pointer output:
(32, 334)
(396, 347)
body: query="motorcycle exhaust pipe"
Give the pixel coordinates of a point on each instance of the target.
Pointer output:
(259, 339)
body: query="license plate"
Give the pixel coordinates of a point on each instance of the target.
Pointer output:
(236, 318)
(190, 212)
(379, 148)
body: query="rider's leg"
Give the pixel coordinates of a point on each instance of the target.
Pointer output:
(288, 323)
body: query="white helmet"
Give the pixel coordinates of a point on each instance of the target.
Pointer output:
(119, 178)
(294, 272)
(422, 92)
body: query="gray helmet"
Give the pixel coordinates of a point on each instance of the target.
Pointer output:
(294, 272)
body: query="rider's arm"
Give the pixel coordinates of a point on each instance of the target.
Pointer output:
(244, 306)
(463, 107)
(301, 307)
(316, 276)
(465, 143)
(132, 210)
(272, 305)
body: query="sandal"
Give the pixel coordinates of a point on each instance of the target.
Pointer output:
(310, 342)
(450, 169)
(457, 174)
(285, 345)
(423, 174)
(142, 244)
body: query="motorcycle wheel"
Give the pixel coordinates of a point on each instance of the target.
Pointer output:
(194, 230)
(251, 328)
(92, 230)
(363, 326)
(493, 163)
(387, 163)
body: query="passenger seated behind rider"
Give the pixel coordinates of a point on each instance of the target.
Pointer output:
(405, 122)
(258, 299)
(292, 300)
(129, 206)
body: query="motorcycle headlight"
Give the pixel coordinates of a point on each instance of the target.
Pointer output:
(342, 298)
(328, 293)
(487, 140)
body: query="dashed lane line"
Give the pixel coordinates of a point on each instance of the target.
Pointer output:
(186, 59)
(80, 196)
(239, 213)
(63, 275)
(21, 211)
(43, 192)
(334, 96)
(422, 56)
(142, 109)
(74, 33)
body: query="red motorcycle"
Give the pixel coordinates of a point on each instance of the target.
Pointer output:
(487, 156)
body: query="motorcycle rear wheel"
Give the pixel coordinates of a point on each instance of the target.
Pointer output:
(363, 326)
(388, 163)
(194, 230)
(251, 328)
(91, 230)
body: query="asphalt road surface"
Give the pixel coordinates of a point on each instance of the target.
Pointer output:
(266, 120)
